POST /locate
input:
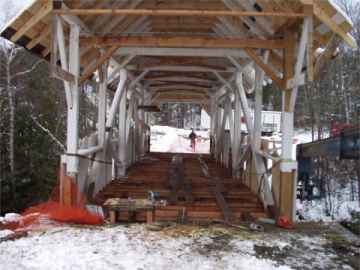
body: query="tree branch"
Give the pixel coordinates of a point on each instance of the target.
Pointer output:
(27, 71)
(48, 132)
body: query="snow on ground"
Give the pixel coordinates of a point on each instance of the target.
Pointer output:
(175, 247)
(174, 140)
(316, 210)
(341, 206)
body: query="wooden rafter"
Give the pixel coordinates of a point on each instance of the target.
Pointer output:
(39, 38)
(269, 72)
(91, 69)
(42, 13)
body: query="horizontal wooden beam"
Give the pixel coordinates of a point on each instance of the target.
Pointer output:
(190, 52)
(268, 71)
(185, 42)
(172, 78)
(176, 12)
(149, 108)
(182, 68)
(59, 73)
(91, 69)
(181, 91)
(177, 87)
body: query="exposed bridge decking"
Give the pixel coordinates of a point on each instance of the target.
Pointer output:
(236, 201)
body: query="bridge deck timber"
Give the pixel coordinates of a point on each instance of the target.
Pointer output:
(152, 174)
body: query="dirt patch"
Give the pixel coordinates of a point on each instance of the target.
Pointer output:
(347, 252)
(274, 253)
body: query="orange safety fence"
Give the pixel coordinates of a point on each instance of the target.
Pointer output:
(54, 211)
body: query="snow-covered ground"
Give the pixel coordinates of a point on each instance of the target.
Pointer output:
(174, 140)
(339, 202)
(175, 247)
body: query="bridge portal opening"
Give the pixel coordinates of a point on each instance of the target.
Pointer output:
(172, 125)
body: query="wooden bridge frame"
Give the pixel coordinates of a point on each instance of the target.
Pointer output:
(282, 60)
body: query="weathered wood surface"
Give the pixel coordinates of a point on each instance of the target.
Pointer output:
(153, 175)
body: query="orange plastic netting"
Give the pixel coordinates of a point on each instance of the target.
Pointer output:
(54, 211)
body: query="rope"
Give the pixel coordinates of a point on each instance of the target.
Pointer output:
(90, 158)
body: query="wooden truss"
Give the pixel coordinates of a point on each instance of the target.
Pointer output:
(213, 53)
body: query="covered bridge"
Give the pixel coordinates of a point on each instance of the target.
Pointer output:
(217, 53)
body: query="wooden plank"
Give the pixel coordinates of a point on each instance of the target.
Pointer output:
(220, 200)
(184, 42)
(61, 74)
(90, 69)
(39, 38)
(177, 12)
(43, 12)
(178, 181)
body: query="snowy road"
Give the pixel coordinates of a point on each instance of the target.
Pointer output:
(175, 247)
(173, 140)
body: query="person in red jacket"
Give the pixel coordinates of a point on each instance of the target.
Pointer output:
(192, 138)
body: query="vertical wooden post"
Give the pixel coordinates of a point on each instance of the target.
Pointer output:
(129, 132)
(215, 115)
(228, 137)
(101, 172)
(259, 79)
(112, 214)
(218, 132)
(222, 133)
(265, 195)
(73, 112)
(102, 98)
(309, 10)
(62, 175)
(235, 148)
(212, 123)
(287, 165)
(142, 125)
(122, 149)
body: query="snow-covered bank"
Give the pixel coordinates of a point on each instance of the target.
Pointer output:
(316, 210)
(174, 247)
(336, 206)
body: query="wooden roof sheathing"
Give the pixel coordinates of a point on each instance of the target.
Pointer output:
(37, 37)
(31, 28)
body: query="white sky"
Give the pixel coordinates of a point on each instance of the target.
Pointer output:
(9, 8)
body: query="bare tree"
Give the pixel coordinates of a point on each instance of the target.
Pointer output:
(12, 75)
